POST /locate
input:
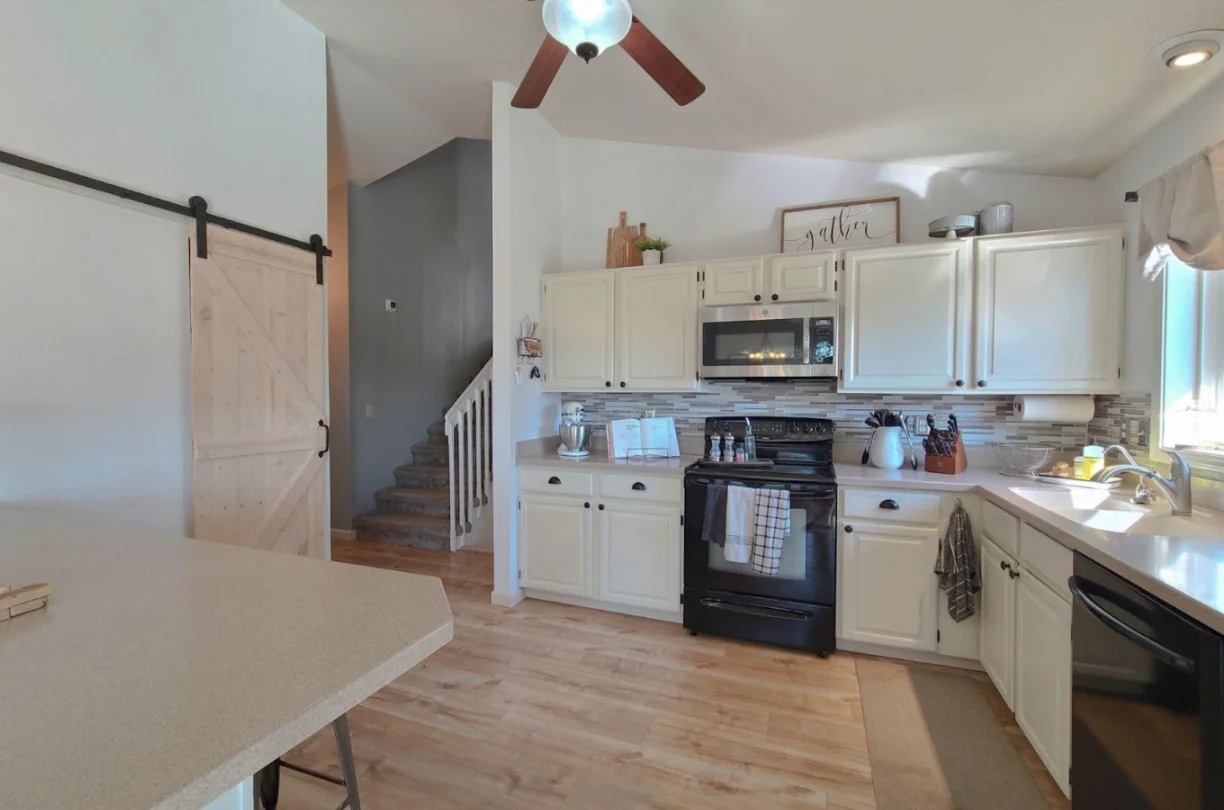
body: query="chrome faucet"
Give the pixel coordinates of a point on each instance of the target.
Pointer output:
(1175, 488)
(1143, 493)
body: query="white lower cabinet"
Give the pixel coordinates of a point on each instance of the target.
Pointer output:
(623, 550)
(1043, 674)
(555, 544)
(888, 594)
(997, 612)
(639, 555)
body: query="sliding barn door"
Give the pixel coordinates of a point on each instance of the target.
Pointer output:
(257, 388)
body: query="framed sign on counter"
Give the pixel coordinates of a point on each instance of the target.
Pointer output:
(846, 224)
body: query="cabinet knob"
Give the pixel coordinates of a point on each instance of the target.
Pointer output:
(981, 383)
(601, 507)
(1014, 574)
(622, 385)
(1004, 565)
(587, 504)
(607, 385)
(890, 504)
(639, 487)
(849, 529)
(756, 298)
(774, 296)
(960, 383)
(555, 481)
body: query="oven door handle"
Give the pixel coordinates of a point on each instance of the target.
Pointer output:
(751, 610)
(1174, 659)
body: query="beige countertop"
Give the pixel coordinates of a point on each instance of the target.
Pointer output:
(1188, 573)
(165, 671)
(598, 461)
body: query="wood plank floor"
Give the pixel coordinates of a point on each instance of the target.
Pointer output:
(552, 706)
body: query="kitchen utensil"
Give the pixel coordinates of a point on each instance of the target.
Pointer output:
(1022, 460)
(953, 425)
(961, 225)
(573, 412)
(930, 420)
(622, 243)
(575, 439)
(995, 218)
(872, 422)
(909, 438)
(867, 452)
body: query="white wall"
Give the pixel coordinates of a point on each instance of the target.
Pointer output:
(526, 243)
(341, 456)
(724, 204)
(225, 99)
(1197, 125)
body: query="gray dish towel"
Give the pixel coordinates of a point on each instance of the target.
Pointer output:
(957, 565)
(714, 529)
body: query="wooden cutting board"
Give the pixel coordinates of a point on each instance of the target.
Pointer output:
(622, 243)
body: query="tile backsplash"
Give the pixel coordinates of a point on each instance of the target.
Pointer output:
(982, 419)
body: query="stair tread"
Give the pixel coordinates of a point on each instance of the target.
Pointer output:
(403, 520)
(436, 468)
(406, 494)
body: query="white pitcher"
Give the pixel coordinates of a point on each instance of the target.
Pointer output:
(887, 452)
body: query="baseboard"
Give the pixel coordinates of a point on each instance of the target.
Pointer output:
(506, 600)
(610, 607)
(343, 534)
(918, 656)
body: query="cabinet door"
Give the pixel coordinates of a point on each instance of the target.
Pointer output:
(734, 282)
(578, 331)
(1049, 312)
(656, 329)
(997, 603)
(555, 545)
(1043, 674)
(802, 276)
(639, 555)
(906, 318)
(888, 591)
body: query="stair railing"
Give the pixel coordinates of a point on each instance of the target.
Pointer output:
(469, 433)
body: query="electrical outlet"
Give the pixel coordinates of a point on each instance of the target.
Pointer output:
(921, 428)
(369, 412)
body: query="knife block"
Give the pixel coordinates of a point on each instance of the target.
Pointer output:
(949, 465)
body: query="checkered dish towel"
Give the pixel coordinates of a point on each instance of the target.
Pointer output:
(957, 565)
(773, 524)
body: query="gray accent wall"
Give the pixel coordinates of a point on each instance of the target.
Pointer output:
(421, 236)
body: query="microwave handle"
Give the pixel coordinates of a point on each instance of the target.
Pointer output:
(807, 341)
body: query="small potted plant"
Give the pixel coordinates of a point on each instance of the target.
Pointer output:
(652, 249)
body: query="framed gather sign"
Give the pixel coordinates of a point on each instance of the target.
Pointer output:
(852, 223)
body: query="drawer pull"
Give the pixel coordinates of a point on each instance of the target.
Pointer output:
(555, 481)
(890, 504)
(639, 487)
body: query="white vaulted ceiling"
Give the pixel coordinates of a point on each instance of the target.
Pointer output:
(1047, 86)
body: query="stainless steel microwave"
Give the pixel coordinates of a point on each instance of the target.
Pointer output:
(769, 341)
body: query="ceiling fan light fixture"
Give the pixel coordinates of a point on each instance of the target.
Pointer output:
(587, 27)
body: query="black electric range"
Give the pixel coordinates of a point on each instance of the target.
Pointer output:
(795, 606)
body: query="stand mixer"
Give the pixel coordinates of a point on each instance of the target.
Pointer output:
(575, 436)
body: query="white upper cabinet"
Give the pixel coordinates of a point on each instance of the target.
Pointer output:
(741, 281)
(579, 331)
(906, 318)
(802, 276)
(1049, 312)
(656, 328)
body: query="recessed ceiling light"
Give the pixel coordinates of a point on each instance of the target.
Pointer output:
(1189, 49)
(1191, 53)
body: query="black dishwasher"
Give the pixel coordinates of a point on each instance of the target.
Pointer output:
(1147, 702)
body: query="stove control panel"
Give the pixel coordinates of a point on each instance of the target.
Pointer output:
(801, 429)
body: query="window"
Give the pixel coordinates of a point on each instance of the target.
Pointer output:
(1191, 403)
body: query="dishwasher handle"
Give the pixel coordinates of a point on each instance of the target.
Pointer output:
(1176, 660)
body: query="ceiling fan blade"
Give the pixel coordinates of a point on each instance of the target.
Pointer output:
(662, 65)
(540, 75)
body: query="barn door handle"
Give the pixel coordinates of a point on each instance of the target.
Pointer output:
(326, 438)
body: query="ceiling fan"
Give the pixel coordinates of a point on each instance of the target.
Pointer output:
(590, 27)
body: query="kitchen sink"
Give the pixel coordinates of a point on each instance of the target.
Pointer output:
(1110, 512)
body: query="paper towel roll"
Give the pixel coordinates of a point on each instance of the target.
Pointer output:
(1067, 410)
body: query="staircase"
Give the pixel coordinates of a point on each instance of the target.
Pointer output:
(439, 499)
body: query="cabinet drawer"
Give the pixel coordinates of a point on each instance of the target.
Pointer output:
(875, 504)
(656, 489)
(556, 482)
(1047, 558)
(1001, 527)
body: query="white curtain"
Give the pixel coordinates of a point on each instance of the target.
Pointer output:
(1182, 214)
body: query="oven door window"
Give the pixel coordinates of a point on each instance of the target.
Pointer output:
(777, 342)
(794, 562)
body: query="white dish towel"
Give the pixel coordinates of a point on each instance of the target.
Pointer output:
(741, 524)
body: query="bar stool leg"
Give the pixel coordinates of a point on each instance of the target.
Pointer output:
(348, 768)
(267, 785)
